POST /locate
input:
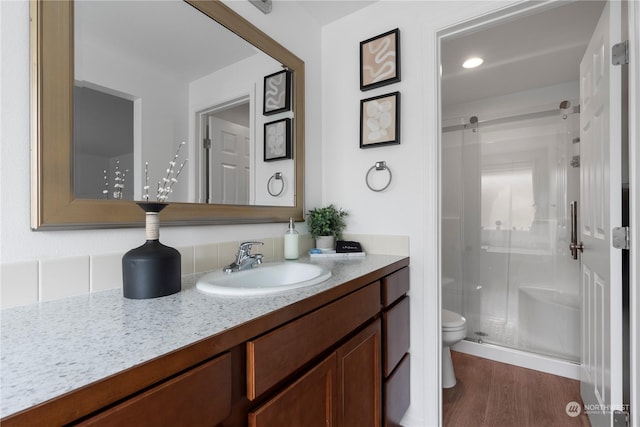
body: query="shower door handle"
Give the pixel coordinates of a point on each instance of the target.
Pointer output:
(574, 246)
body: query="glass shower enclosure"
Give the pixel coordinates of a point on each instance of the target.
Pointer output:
(507, 183)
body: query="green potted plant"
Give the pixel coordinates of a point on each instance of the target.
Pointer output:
(325, 225)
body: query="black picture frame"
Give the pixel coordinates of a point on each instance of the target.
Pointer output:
(277, 140)
(276, 97)
(380, 60)
(380, 120)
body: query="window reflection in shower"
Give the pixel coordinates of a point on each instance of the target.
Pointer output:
(505, 263)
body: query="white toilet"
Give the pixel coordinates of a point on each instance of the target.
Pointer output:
(454, 329)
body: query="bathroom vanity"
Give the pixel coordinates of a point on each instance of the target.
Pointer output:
(334, 354)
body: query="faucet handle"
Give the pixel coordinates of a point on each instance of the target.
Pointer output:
(246, 246)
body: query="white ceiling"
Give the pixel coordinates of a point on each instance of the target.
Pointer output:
(172, 35)
(188, 55)
(327, 11)
(525, 53)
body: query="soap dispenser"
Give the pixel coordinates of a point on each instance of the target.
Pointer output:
(291, 241)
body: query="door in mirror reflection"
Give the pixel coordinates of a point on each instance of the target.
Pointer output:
(227, 158)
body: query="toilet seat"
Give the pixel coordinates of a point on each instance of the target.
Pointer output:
(452, 321)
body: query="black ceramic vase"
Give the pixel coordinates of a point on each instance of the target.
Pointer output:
(153, 269)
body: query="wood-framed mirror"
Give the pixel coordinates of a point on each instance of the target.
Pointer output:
(54, 204)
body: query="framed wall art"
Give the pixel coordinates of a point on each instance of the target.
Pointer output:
(380, 60)
(277, 140)
(380, 120)
(277, 93)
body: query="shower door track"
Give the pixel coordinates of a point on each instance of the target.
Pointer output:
(534, 115)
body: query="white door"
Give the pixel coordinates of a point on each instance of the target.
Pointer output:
(600, 181)
(230, 162)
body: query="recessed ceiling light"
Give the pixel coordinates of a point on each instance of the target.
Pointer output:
(473, 62)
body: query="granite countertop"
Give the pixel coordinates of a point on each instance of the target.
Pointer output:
(55, 347)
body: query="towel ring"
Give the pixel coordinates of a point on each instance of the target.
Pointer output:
(379, 166)
(276, 176)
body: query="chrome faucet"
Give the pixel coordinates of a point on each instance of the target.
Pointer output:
(244, 258)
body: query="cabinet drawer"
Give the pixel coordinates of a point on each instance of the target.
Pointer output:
(397, 394)
(394, 286)
(199, 397)
(395, 327)
(272, 357)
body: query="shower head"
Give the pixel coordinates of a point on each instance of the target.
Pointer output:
(565, 105)
(473, 120)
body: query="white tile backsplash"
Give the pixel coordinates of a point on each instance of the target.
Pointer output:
(227, 252)
(381, 244)
(63, 277)
(19, 284)
(267, 250)
(206, 257)
(278, 248)
(187, 263)
(365, 241)
(32, 281)
(305, 243)
(106, 272)
(398, 245)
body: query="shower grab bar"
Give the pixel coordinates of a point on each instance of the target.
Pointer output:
(574, 246)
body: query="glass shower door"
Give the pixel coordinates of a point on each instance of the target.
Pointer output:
(518, 285)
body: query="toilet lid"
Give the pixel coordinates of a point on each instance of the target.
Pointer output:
(452, 320)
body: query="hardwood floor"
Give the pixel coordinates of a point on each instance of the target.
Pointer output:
(494, 394)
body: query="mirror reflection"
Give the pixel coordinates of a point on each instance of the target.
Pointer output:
(150, 75)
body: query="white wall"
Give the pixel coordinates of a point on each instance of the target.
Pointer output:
(410, 204)
(163, 114)
(243, 78)
(335, 169)
(289, 24)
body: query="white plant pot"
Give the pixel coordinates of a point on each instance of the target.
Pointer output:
(326, 242)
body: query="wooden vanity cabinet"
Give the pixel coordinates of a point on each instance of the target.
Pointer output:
(276, 355)
(342, 390)
(395, 344)
(363, 383)
(336, 359)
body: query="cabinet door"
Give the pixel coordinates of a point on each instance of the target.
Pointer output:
(309, 402)
(359, 376)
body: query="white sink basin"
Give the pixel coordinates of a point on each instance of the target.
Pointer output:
(265, 279)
